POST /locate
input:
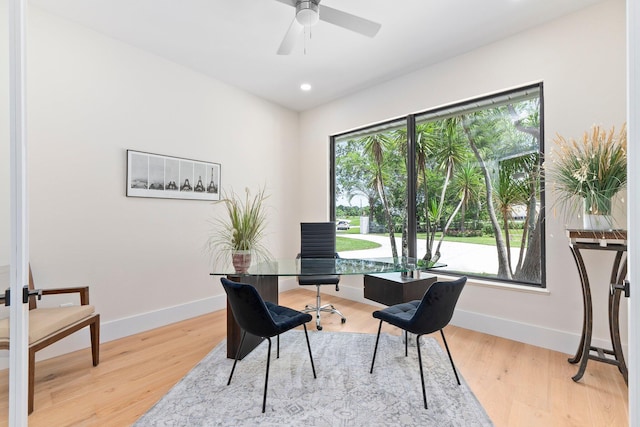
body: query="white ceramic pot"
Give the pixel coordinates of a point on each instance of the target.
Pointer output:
(597, 222)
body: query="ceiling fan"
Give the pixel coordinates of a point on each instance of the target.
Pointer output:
(308, 12)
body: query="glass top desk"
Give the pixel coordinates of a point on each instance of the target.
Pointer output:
(325, 266)
(264, 277)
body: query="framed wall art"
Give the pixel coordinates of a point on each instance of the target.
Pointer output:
(158, 176)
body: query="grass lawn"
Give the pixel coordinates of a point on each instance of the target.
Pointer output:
(348, 244)
(514, 235)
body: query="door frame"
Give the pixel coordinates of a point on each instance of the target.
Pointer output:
(19, 249)
(633, 205)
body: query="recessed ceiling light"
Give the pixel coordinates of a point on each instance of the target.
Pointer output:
(305, 86)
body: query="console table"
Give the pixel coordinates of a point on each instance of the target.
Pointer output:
(613, 241)
(264, 277)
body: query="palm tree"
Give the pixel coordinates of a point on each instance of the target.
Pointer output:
(509, 191)
(375, 146)
(367, 190)
(425, 135)
(503, 260)
(468, 181)
(353, 174)
(448, 153)
(425, 143)
(529, 268)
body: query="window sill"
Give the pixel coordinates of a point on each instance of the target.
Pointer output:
(473, 281)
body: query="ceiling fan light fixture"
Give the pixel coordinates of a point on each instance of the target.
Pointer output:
(307, 13)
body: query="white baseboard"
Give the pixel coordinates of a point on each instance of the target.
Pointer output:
(561, 341)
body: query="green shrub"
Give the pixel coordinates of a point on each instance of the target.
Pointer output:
(465, 233)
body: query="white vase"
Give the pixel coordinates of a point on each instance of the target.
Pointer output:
(597, 222)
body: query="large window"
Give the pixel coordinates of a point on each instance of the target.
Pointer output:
(458, 185)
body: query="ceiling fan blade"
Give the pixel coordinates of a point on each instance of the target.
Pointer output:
(289, 2)
(348, 21)
(293, 34)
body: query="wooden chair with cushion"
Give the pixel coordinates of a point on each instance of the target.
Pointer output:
(49, 325)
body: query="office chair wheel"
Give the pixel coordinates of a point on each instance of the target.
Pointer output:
(319, 327)
(344, 321)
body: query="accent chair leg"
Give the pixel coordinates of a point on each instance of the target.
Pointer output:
(266, 377)
(309, 347)
(278, 346)
(450, 358)
(244, 333)
(406, 343)
(424, 392)
(32, 379)
(95, 340)
(375, 350)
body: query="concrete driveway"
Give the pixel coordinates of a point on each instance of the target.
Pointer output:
(466, 257)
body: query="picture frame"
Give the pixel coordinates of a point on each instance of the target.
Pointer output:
(167, 177)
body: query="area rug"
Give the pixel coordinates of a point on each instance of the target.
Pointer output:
(344, 394)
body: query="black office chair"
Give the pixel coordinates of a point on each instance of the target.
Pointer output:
(263, 319)
(318, 241)
(422, 317)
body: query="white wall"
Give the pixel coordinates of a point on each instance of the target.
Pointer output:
(581, 61)
(90, 98)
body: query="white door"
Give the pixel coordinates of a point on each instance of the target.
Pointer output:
(633, 137)
(13, 230)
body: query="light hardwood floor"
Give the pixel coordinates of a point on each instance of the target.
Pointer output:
(518, 384)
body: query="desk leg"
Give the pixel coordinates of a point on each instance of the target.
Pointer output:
(267, 287)
(617, 277)
(587, 319)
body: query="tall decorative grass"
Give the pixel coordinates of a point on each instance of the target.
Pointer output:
(590, 171)
(243, 227)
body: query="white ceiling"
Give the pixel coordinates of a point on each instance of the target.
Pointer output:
(235, 41)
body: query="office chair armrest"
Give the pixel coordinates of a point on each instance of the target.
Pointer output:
(82, 290)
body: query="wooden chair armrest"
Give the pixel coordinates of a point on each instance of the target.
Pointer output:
(82, 290)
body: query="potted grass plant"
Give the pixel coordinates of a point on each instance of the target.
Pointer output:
(587, 174)
(238, 235)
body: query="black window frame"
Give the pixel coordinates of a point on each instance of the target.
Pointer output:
(412, 173)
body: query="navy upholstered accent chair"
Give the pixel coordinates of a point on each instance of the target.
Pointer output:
(263, 319)
(422, 317)
(318, 242)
